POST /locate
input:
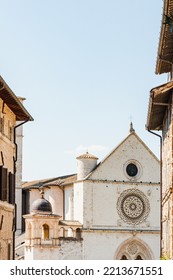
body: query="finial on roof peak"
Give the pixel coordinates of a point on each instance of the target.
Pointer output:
(42, 193)
(131, 128)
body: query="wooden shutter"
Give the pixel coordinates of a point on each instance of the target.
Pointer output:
(3, 184)
(11, 188)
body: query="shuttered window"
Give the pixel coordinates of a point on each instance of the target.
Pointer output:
(3, 183)
(7, 185)
(11, 183)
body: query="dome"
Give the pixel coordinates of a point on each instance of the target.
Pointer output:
(42, 206)
(87, 156)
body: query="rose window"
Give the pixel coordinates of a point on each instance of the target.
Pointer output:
(133, 206)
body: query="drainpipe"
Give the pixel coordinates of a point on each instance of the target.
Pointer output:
(14, 160)
(160, 188)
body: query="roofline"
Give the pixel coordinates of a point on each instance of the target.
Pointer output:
(113, 150)
(46, 183)
(18, 105)
(164, 88)
(161, 59)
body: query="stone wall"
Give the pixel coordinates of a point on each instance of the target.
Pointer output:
(167, 157)
(7, 123)
(7, 155)
(6, 230)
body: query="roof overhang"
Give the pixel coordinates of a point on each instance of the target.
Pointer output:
(158, 104)
(165, 49)
(13, 102)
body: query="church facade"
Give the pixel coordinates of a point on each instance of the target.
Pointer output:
(108, 210)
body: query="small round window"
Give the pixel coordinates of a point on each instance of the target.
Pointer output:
(132, 169)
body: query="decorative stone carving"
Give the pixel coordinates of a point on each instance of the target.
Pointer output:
(132, 249)
(133, 206)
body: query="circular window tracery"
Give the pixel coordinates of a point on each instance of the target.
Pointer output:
(133, 206)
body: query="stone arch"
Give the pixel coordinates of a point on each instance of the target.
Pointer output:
(133, 249)
(43, 222)
(124, 257)
(62, 232)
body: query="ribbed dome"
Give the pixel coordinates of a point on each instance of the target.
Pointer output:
(41, 205)
(87, 156)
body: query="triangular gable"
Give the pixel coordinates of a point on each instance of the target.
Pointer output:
(120, 157)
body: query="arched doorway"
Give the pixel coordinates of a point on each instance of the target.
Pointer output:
(133, 249)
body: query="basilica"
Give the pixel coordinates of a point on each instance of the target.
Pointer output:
(108, 210)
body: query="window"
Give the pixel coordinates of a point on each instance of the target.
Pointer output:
(11, 186)
(78, 233)
(3, 184)
(138, 257)
(123, 257)
(132, 170)
(45, 231)
(9, 251)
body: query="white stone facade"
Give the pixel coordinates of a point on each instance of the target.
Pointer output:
(114, 213)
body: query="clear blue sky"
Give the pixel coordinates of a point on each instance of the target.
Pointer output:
(85, 68)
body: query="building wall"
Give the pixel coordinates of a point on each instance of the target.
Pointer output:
(55, 197)
(100, 205)
(7, 123)
(167, 250)
(78, 202)
(6, 230)
(7, 155)
(53, 245)
(104, 204)
(68, 203)
(68, 250)
(118, 243)
(130, 149)
(98, 201)
(18, 194)
(34, 194)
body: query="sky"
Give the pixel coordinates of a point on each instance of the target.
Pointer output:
(86, 68)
